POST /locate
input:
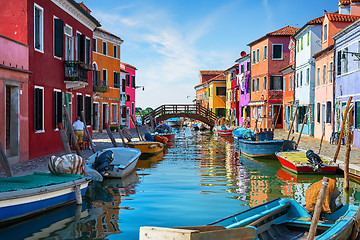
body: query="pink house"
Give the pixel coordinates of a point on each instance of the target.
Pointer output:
(128, 84)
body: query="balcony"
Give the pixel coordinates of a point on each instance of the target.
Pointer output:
(76, 74)
(100, 86)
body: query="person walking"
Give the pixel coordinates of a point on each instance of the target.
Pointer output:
(79, 128)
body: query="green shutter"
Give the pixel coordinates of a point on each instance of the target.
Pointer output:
(357, 115)
(82, 48)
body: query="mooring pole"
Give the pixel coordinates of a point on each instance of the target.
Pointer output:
(349, 138)
(302, 127)
(293, 120)
(110, 134)
(64, 138)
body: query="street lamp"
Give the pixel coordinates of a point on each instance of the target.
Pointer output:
(357, 55)
(143, 88)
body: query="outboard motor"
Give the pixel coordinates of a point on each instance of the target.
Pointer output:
(102, 162)
(314, 160)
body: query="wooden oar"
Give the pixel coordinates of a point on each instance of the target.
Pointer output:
(269, 215)
(349, 139)
(107, 128)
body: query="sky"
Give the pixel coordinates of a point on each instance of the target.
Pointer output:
(170, 41)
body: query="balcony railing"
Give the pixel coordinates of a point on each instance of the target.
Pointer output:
(100, 86)
(76, 71)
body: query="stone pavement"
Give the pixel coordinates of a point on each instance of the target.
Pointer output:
(101, 140)
(327, 149)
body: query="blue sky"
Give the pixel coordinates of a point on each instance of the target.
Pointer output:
(169, 41)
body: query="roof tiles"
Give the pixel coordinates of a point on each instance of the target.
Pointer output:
(336, 17)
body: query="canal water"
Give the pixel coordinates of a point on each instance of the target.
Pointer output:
(200, 179)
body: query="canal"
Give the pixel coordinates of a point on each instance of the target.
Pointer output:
(199, 179)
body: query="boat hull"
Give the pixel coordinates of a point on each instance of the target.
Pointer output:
(21, 204)
(300, 165)
(264, 148)
(227, 133)
(147, 148)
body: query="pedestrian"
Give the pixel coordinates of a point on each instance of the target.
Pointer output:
(79, 128)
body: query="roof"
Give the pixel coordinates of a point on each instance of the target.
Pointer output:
(318, 54)
(210, 72)
(240, 58)
(83, 11)
(282, 32)
(344, 2)
(336, 17)
(130, 66)
(234, 66)
(220, 77)
(316, 21)
(286, 68)
(109, 33)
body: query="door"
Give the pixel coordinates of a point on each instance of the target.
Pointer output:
(105, 114)
(11, 121)
(277, 113)
(322, 117)
(96, 116)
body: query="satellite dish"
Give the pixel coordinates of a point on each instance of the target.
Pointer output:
(243, 54)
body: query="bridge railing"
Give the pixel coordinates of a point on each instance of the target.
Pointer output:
(183, 109)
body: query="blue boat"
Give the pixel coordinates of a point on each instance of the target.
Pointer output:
(29, 195)
(266, 148)
(286, 219)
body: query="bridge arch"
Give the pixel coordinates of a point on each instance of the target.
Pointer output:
(193, 111)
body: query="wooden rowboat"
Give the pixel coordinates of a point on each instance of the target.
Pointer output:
(147, 148)
(26, 196)
(297, 162)
(225, 133)
(266, 148)
(286, 219)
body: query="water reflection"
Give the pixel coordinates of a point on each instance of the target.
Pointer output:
(196, 181)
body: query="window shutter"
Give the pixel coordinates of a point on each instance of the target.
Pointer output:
(59, 37)
(328, 112)
(82, 48)
(38, 109)
(357, 115)
(37, 29)
(339, 63)
(133, 81)
(87, 51)
(281, 84)
(318, 112)
(271, 82)
(55, 110)
(216, 111)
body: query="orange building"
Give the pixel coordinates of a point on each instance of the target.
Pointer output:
(269, 54)
(107, 85)
(202, 97)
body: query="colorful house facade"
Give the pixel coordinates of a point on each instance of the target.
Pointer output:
(130, 86)
(14, 81)
(59, 38)
(243, 79)
(307, 44)
(202, 92)
(217, 95)
(232, 103)
(347, 73)
(106, 84)
(324, 64)
(288, 87)
(269, 54)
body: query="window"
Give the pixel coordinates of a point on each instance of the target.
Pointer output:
(38, 108)
(297, 45)
(128, 98)
(346, 59)
(318, 113)
(253, 55)
(58, 107)
(115, 51)
(277, 51)
(88, 52)
(328, 112)
(357, 115)
(79, 104)
(265, 52)
(257, 84)
(325, 32)
(284, 84)
(290, 82)
(220, 112)
(242, 68)
(301, 114)
(104, 76)
(69, 44)
(308, 38)
(104, 48)
(318, 76)
(58, 37)
(338, 63)
(307, 76)
(38, 28)
(133, 81)
(79, 46)
(257, 55)
(253, 85)
(276, 83)
(133, 108)
(324, 74)
(265, 83)
(116, 80)
(331, 66)
(94, 45)
(128, 80)
(302, 43)
(88, 108)
(114, 112)
(220, 91)
(301, 78)
(248, 66)
(297, 79)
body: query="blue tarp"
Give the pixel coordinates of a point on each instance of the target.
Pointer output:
(243, 133)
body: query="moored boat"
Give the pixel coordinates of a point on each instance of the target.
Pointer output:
(286, 219)
(26, 196)
(297, 162)
(174, 122)
(114, 162)
(225, 133)
(266, 148)
(147, 148)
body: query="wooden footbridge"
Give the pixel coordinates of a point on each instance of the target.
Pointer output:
(192, 111)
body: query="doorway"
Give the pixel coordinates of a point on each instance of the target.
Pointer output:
(96, 116)
(105, 114)
(278, 113)
(11, 121)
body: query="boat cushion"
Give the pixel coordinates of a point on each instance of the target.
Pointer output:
(312, 193)
(37, 179)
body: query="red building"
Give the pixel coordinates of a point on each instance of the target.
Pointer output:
(129, 85)
(59, 36)
(269, 54)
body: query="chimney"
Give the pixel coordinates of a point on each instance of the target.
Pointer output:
(355, 7)
(84, 7)
(344, 7)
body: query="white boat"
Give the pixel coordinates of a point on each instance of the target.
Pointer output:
(114, 162)
(26, 196)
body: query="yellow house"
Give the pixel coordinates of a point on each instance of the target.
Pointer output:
(217, 94)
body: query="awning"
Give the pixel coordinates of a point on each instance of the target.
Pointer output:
(257, 103)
